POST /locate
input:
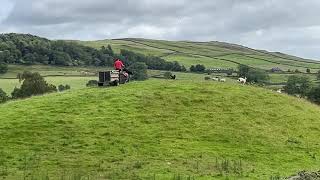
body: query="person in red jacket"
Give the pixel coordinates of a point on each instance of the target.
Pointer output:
(118, 65)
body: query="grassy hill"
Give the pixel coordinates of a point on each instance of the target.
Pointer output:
(159, 130)
(211, 54)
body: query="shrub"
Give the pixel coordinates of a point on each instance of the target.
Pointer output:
(298, 85)
(198, 68)
(139, 71)
(32, 84)
(167, 75)
(243, 70)
(308, 71)
(3, 96)
(257, 76)
(67, 87)
(3, 68)
(314, 95)
(207, 78)
(61, 88)
(92, 83)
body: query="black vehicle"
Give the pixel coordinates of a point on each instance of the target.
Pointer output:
(113, 78)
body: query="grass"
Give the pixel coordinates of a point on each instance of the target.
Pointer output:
(159, 129)
(189, 53)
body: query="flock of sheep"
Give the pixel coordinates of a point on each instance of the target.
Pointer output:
(240, 80)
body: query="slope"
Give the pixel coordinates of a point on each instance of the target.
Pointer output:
(159, 129)
(212, 54)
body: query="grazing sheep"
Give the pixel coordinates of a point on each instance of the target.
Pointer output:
(279, 91)
(215, 79)
(222, 80)
(242, 80)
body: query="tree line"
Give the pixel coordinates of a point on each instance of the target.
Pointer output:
(27, 49)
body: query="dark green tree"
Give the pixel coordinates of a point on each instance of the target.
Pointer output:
(32, 84)
(314, 95)
(61, 88)
(3, 68)
(257, 76)
(3, 96)
(298, 85)
(243, 70)
(318, 75)
(308, 71)
(139, 70)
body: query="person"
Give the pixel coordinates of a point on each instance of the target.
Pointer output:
(118, 65)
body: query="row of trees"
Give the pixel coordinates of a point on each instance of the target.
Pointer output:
(152, 62)
(29, 49)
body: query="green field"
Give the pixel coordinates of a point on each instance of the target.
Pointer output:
(211, 54)
(159, 129)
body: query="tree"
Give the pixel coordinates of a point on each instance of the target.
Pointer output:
(198, 68)
(243, 70)
(67, 87)
(32, 84)
(257, 76)
(300, 85)
(61, 88)
(139, 70)
(3, 68)
(3, 96)
(167, 75)
(314, 95)
(308, 71)
(318, 75)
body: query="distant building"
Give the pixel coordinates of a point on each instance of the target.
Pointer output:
(276, 69)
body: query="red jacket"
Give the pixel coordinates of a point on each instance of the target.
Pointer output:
(118, 64)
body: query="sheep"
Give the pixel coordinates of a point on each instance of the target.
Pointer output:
(279, 91)
(215, 79)
(242, 80)
(222, 80)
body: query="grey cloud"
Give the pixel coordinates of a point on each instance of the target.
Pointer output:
(278, 25)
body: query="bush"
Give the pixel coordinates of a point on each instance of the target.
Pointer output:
(198, 68)
(63, 88)
(207, 78)
(3, 68)
(92, 83)
(300, 85)
(243, 70)
(139, 71)
(67, 87)
(167, 75)
(314, 95)
(257, 76)
(32, 84)
(3, 96)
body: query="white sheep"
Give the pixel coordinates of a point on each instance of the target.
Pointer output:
(222, 80)
(242, 80)
(279, 91)
(215, 79)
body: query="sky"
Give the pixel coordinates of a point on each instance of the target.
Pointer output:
(287, 26)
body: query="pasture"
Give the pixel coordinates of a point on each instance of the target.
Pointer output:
(187, 129)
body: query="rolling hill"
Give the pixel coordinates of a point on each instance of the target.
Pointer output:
(212, 54)
(159, 130)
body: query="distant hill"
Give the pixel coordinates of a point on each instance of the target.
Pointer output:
(160, 129)
(212, 54)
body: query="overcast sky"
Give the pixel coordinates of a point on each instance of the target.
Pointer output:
(290, 26)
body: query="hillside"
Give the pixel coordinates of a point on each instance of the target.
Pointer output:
(212, 54)
(159, 129)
